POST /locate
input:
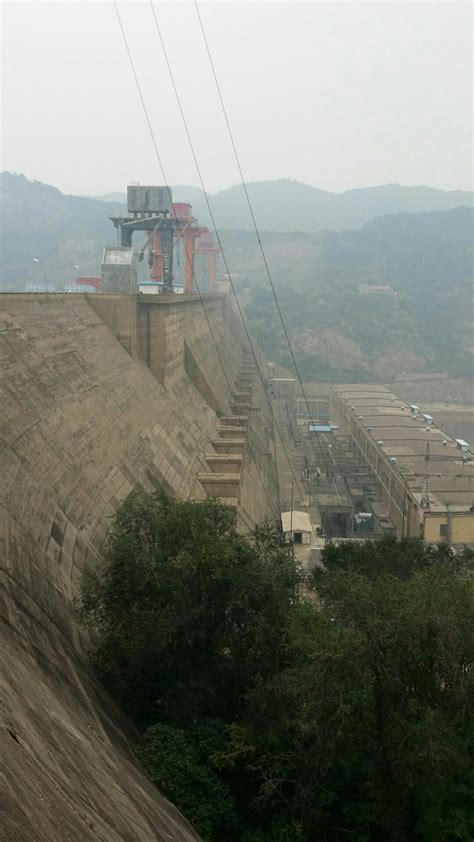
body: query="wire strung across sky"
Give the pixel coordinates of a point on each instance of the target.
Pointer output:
(254, 222)
(211, 214)
(160, 163)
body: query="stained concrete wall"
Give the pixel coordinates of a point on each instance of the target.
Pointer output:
(85, 418)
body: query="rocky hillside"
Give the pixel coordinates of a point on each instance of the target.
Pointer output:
(421, 321)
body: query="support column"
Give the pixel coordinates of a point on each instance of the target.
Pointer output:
(167, 251)
(189, 238)
(156, 273)
(212, 270)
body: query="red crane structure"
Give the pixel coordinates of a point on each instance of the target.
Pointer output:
(187, 232)
(206, 246)
(166, 223)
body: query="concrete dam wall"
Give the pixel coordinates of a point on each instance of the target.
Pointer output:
(100, 395)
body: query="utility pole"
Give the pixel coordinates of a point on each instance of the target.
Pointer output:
(45, 272)
(425, 490)
(291, 514)
(449, 530)
(404, 513)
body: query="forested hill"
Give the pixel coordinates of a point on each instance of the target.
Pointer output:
(286, 205)
(37, 220)
(413, 251)
(422, 323)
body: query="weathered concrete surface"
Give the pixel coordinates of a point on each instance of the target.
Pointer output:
(83, 421)
(67, 770)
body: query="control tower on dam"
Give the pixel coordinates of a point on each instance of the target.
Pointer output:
(101, 394)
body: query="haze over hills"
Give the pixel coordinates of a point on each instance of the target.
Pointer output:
(181, 193)
(420, 322)
(286, 205)
(67, 230)
(426, 257)
(37, 220)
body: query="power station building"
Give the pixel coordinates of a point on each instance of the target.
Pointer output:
(423, 478)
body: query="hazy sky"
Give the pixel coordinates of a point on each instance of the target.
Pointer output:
(335, 94)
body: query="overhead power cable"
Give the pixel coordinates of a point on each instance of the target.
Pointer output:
(254, 222)
(211, 214)
(160, 163)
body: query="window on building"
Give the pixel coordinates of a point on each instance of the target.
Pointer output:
(443, 530)
(298, 537)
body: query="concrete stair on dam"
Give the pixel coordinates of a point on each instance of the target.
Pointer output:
(225, 463)
(242, 395)
(235, 420)
(228, 432)
(225, 487)
(245, 433)
(230, 446)
(240, 408)
(243, 383)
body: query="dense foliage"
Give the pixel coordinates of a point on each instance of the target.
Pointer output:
(189, 612)
(272, 711)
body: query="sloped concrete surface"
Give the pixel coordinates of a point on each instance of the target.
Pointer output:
(81, 425)
(95, 402)
(67, 769)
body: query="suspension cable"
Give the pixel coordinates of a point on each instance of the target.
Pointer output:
(211, 214)
(254, 222)
(160, 163)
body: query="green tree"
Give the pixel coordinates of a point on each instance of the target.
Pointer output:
(413, 609)
(369, 733)
(187, 610)
(268, 716)
(183, 765)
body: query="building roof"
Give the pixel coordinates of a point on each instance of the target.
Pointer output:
(300, 522)
(387, 419)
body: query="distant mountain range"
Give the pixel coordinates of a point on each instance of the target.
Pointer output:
(286, 205)
(62, 231)
(417, 241)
